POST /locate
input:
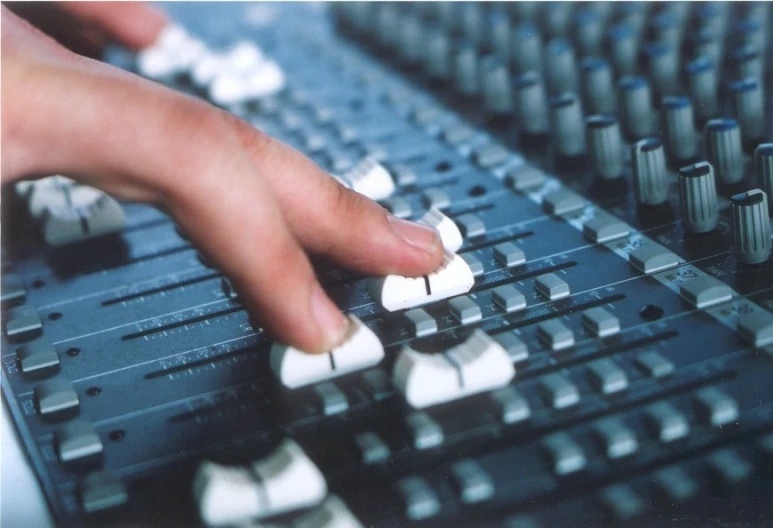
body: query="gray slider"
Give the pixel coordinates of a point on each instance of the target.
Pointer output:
(679, 131)
(525, 48)
(749, 108)
(622, 40)
(648, 164)
(748, 63)
(495, 82)
(560, 67)
(662, 65)
(751, 227)
(698, 197)
(605, 147)
(466, 69)
(566, 125)
(437, 55)
(723, 149)
(597, 91)
(763, 169)
(531, 108)
(635, 101)
(702, 84)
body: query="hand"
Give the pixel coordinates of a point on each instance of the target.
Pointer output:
(250, 203)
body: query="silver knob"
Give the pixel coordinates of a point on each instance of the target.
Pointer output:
(387, 25)
(466, 69)
(708, 43)
(588, 26)
(635, 107)
(723, 149)
(526, 48)
(605, 147)
(662, 66)
(667, 29)
(411, 38)
(598, 94)
(748, 63)
(749, 108)
(531, 108)
(751, 227)
(437, 56)
(566, 125)
(560, 68)
(648, 164)
(495, 84)
(698, 197)
(763, 169)
(555, 18)
(622, 40)
(702, 83)
(679, 127)
(499, 30)
(471, 18)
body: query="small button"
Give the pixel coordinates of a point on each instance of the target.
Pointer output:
(552, 286)
(399, 207)
(706, 291)
(473, 483)
(651, 258)
(621, 502)
(56, 397)
(372, 448)
(421, 322)
(603, 228)
(465, 310)
(555, 335)
(332, 399)
(607, 377)
(757, 328)
(565, 455)
(508, 254)
(12, 290)
(425, 431)
(457, 134)
(404, 176)
(562, 201)
(600, 322)
(490, 155)
(471, 225)
(674, 485)
(525, 178)
(515, 348)
(667, 423)
(378, 384)
(655, 365)
(420, 500)
(509, 298)
(512, 406)
(436, 198)
(102, 491)
(22, 322)
(76, 441)
(728, 468)
(716, 407)
(38, 358)
(558, 391)
(476, 267)
(616, 438)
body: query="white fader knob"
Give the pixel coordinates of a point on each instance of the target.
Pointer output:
(395, 292)
(370, 178)
(476, 365)
(286, 480)
(449, 231)
(360, 349)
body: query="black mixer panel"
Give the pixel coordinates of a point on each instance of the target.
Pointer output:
(597, 349)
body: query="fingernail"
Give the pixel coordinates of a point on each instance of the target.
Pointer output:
(329, 318)
(416, 235)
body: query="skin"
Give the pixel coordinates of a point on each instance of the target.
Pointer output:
(253, 205)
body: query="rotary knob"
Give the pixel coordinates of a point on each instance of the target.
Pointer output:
(530, 104)
(723, 149)
(662, 65)
(605, 147)
(622, 41)
(566, 125)
(698, 197)
(597, 91)
(495, 84)
(679, 131)
(702, 83)
(437, 56)
(648, 164)
(525, 48)
(751, 227)
(560, 67)
(763, 169)
(749, 108)
(635, 107)
(466, 69)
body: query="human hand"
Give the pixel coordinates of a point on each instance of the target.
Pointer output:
(249, 202)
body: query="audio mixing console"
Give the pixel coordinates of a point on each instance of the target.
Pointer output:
(596, 349)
